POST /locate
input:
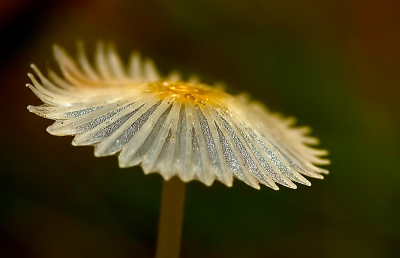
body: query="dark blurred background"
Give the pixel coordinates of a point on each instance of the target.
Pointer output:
(333, 64)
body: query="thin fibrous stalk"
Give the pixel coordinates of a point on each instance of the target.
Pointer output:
(171, 217)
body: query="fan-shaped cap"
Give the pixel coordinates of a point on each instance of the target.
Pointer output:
(170, 126)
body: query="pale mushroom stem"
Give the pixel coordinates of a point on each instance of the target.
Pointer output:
(171, 217)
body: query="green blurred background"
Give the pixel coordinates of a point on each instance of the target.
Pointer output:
(333, 64)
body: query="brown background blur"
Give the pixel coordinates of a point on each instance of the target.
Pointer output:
(334, 64)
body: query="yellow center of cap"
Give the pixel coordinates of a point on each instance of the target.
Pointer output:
(198, 92)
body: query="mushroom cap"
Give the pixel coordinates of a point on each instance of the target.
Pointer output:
(173, 127)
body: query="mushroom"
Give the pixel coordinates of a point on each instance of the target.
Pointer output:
(183, 130)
